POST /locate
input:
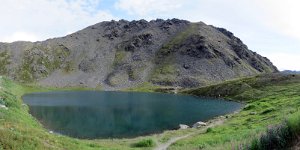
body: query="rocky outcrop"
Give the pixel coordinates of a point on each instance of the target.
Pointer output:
(199, 124)
(122, 54)
(183, 126)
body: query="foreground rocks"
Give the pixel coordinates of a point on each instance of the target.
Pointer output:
(199, 124)
(3, 107)
(183, 126)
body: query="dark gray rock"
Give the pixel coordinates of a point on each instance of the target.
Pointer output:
(123, 54)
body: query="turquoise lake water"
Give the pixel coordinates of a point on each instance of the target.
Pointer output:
(95, 114)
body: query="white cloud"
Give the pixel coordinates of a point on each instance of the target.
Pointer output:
(146, 8)
(269, 27)
(285, 61)
(243, 16)
(281, 16)
(20, 36)
(47, 18)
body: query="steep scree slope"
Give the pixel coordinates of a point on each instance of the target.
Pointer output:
(122, 54)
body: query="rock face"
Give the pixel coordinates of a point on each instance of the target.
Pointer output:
(122, 54)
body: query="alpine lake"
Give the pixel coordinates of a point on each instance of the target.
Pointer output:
(103, 114)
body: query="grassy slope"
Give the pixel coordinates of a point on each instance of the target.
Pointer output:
(165, 70)
(269, 100)
(20, 131)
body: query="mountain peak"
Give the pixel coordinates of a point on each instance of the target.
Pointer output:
(122, 54)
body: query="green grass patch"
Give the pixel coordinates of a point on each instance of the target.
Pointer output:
(119, 57)
(41, 57)
(144, 143)
(278, 98)
(280, 136)
(181, 36)
(165, 71)
(4, 61)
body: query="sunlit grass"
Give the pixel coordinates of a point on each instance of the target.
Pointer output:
(275, 102)
(271, 104)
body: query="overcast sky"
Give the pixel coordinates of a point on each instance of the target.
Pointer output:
(269, 27)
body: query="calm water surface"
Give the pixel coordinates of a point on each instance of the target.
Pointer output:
(93, 114)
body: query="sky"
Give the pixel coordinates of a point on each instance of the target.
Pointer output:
(268, 27)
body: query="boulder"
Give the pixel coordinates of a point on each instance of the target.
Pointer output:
(199, 124)
(3, 106)
(185, 66)
(183, 126)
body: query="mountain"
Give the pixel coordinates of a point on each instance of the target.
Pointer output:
(290, 72)
(122, 54)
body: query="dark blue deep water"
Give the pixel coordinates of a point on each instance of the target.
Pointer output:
(94, 114)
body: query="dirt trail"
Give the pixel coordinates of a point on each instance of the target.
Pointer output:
(215, 122)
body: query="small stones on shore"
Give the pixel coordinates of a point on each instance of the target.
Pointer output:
(199, 124)
(222, 117)
(51, 132)
(183, 126)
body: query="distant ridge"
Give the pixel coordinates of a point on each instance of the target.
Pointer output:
(290, 72)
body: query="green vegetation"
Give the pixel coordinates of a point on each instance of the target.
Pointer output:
(25, 70)
(40, 62)
(280, 136)
(144, 143)
(271, 116)
(20, 131)
(69, 67)
(119, 57)
(269, 98)
(166, 49)
(4, 61)
(165, 71)
(133, 74)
